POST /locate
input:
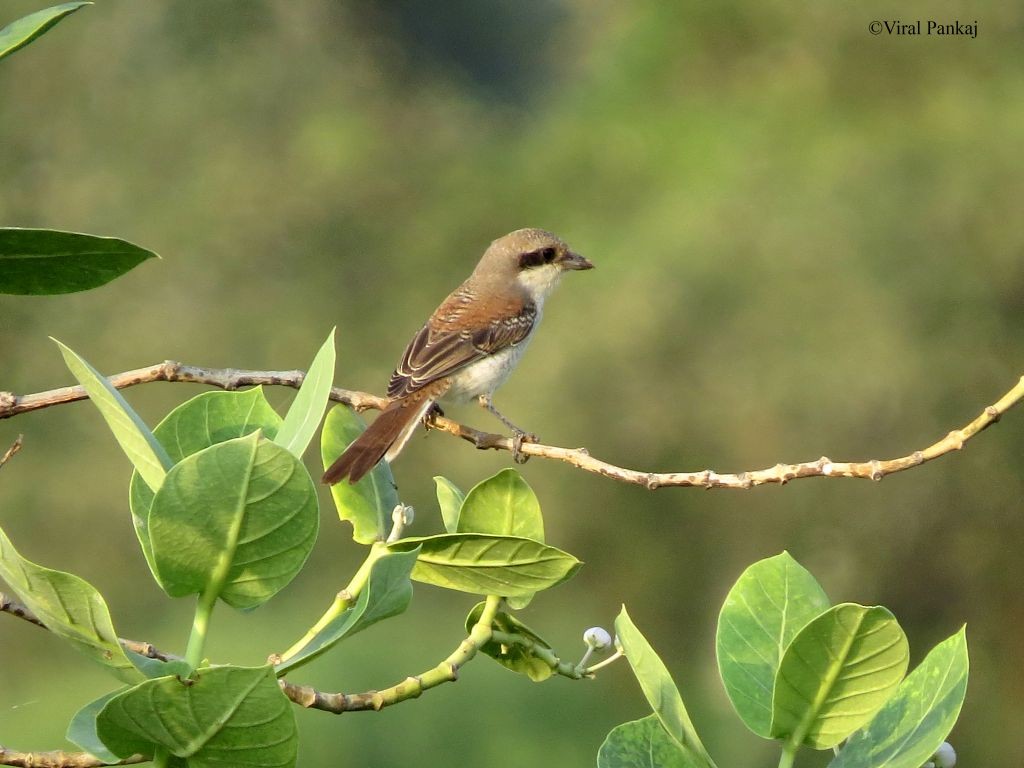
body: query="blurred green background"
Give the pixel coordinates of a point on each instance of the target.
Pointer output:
(809, 241)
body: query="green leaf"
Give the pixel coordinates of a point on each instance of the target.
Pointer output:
(838, 671)
(20, 33)
(308, 407)
(387, 593)
(661, 692)
(515, 657)
(505, 506)
(914, 722)
(70, 607)
(238, 518)
(367, 504)
(450, 499)
(43, 261)
(771, 601)
(643, 744)
(488, 565)
(82, 728)
(138, 443)
(227, 716)
(152, 668)
(198, 423)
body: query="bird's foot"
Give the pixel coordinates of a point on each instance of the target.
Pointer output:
(518, 438)
(433, 412)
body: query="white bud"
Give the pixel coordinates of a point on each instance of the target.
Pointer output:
(945, 756)
(403, 513)
(597, 638)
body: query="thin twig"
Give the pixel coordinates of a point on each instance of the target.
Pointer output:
(15, 447)
(20, 610)
(232, 378)
(445, 672)
(59, 759)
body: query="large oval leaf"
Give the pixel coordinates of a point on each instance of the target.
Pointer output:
(20, 33)
(503, 505)
(771, 601)
(914, 722)
(226, 716)
(838, 671)
(643, 744)
(198, 423)
(70, 607)
(238, 518)
(44, 261)
(488, 565)
(367, 504)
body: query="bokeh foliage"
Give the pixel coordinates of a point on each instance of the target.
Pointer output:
(807, 242)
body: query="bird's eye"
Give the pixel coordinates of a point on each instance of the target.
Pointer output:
(548, 254)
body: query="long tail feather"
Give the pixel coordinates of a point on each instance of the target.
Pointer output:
(387, 435)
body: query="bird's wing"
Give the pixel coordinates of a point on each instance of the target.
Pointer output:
(451, 340)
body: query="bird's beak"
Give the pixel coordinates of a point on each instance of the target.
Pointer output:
(575, 261)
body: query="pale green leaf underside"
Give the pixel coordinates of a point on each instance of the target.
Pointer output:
(513, 657)
(488, 565)
(918, 718)
(228, 716)
(387, 593)
(307, 408)
(70, 607)
(244, 511)
(82, 728)
(771, 601)
(838, 671)
(643, 744)
(20, 33)
(368, 503)
(135, 438)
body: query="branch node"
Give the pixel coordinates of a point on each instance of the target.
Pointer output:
(993, 413)
(918, 457)
(957, 438)
(876, 470)
(652, 481)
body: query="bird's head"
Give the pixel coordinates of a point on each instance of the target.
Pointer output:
(533, 258)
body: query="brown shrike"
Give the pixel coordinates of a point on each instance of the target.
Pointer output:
(468, 347)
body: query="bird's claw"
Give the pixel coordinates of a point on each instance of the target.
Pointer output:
(518, 438)
(433, 412)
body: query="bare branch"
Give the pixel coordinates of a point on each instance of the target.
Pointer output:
(59, 759)
(233, 378)
(15, 447)
(13, 607)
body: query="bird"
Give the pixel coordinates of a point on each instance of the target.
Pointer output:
(469, 346)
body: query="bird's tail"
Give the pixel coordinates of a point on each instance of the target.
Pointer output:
(384, 438)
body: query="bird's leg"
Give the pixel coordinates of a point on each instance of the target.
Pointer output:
(519, 436)
(433, 412)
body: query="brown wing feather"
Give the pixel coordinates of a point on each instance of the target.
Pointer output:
(447, 342)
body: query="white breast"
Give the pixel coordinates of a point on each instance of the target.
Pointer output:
(486, 375)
